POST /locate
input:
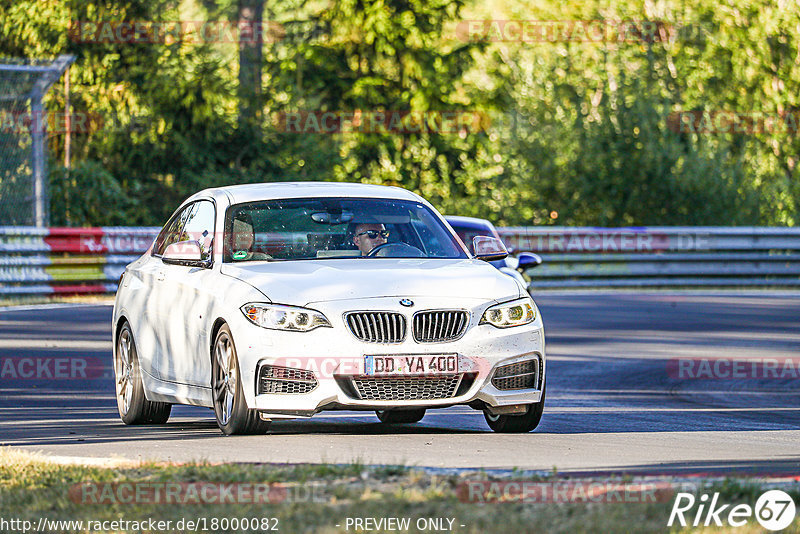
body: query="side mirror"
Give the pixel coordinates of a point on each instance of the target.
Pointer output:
(184, 253)
(488, 248)
(528, 260)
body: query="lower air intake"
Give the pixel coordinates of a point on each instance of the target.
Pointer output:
(286, 380)
(406, 388)
(520, 375)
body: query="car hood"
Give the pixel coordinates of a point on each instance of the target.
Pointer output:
(301, 282)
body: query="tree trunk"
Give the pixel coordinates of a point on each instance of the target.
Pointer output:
(251, 43)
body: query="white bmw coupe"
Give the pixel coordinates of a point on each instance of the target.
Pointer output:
(278, 301)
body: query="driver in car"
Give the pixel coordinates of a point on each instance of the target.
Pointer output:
(242, 239)
(367, 236)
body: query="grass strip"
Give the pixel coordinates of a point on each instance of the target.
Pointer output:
(321, 498)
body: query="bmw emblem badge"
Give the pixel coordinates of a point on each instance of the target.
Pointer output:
(407, 302)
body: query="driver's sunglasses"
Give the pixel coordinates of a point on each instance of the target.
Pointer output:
(373, 234)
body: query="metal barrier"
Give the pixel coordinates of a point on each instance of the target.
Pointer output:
(67, 260)
(660, 256)
(91, 260)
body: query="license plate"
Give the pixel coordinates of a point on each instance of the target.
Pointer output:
(413, 364)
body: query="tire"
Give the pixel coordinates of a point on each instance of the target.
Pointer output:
(398, 417)
(133, 406)
(230, 407)
(517, 423)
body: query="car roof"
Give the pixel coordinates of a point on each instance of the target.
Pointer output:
(469, 222)
(274, 190)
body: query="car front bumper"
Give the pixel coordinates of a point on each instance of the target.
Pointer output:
(335, 357)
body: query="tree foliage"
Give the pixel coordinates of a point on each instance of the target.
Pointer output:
(579, 132)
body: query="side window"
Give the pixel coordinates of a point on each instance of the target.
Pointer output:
(199, 226)
(168, 234)
(194, 222)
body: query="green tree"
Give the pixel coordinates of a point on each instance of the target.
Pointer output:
(382, 55)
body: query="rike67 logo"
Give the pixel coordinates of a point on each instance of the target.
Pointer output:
(774, 510)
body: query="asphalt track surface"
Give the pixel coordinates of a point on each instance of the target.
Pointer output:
(616, 400)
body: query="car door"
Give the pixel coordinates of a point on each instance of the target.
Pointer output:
(146, 323)
(184, 302)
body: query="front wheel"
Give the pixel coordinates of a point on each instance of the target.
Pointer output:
(517, 423)
(230, 407)
(133, 406)
(397, 417)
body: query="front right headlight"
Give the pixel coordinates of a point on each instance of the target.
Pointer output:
(280, 317)
(514, 313)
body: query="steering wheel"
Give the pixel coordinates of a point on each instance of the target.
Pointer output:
(397, 250)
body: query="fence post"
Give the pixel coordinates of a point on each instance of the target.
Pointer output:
(38, 163)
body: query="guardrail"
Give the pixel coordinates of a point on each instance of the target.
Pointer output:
(67, 260)
(660, 256)
(90, 260)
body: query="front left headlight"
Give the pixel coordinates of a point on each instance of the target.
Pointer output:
(280, 317)
(508, 314)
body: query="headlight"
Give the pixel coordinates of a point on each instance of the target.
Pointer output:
(278, 317)
(508, 314)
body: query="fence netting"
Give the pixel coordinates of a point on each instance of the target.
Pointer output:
(23, 147)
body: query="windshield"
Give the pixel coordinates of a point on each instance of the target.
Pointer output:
(330, 228)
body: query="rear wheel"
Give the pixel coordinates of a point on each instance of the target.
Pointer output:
(230, 407)
(517, 423)
(133, 406)
(397, 417)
